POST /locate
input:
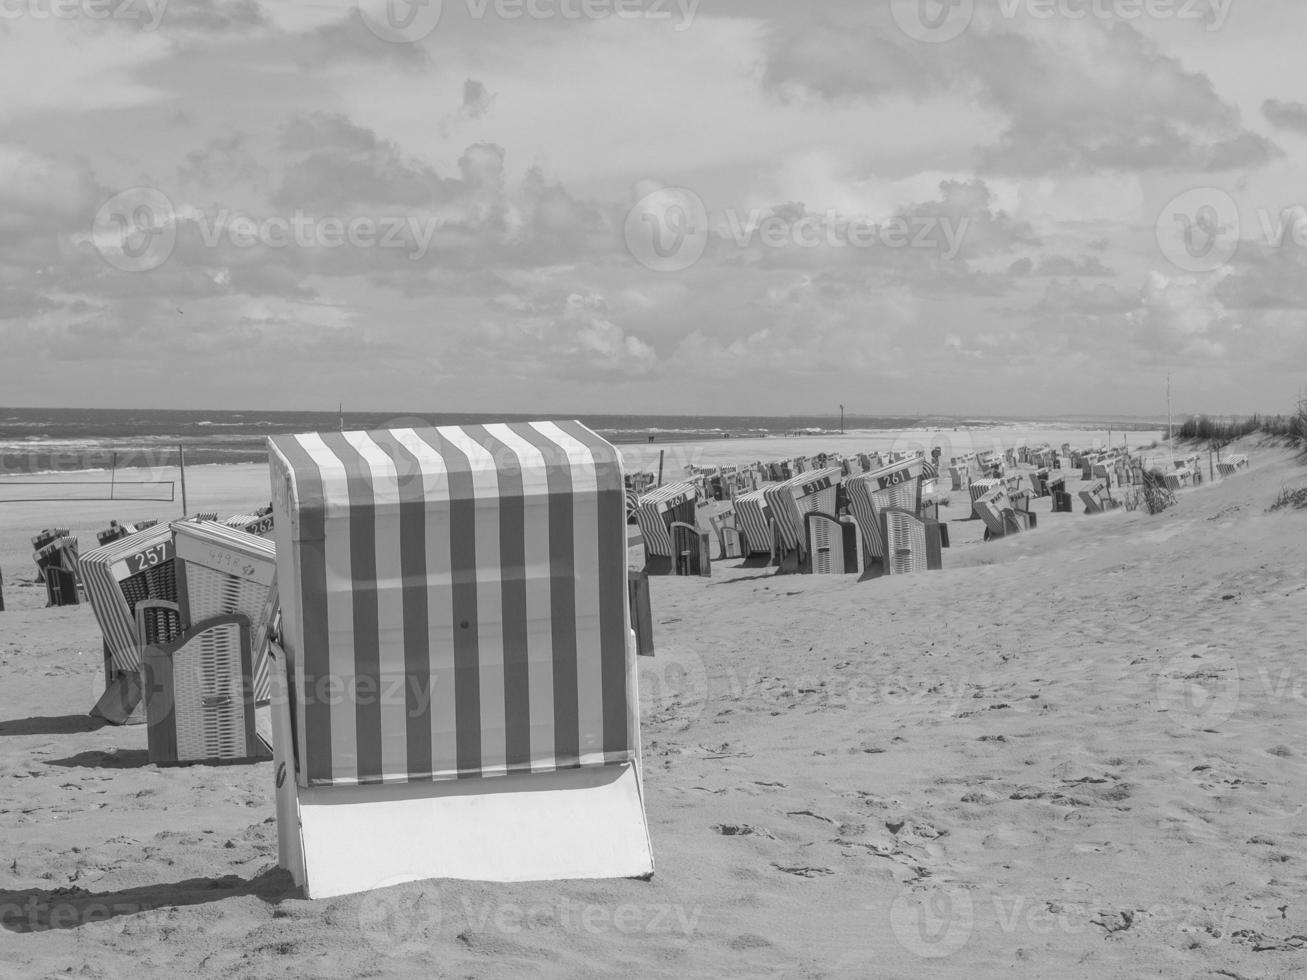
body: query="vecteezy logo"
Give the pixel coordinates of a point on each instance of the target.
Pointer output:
(136, 230)
(673, 683)
(932, 924)
(1199, 692)
(933, 21)
(667, 230)
(1198, 231)
(400, 21)
(400, 921)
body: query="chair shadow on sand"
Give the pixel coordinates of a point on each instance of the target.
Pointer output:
(102, 759)
(42, 909)
(51, 725)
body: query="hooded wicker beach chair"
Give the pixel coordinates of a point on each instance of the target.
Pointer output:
(1000, 517)
(730, 539)
(203, 685)
(1096, 499)
(753, 518)
(658, 510)
(55, 554)
(811, 491)
(454, 690)
(897, 485)
(117, 577)
(980, 488)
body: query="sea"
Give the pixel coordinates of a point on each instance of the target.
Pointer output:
(49, 440)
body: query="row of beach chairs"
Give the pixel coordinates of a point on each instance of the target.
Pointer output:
(821, 521)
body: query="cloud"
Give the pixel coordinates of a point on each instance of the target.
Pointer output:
(1078, 96)
(215, 16)
(476, 100)
(222, 163)
(348, 166)
(40, 193)
(1286, 115)
(1060, 265)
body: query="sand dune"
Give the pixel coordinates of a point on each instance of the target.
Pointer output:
(1074, 753)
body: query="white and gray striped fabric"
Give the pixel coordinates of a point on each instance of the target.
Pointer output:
(814, 490)
(895, 485)
(454, 601)
(117, 576)
(753, 517)
(654, 515)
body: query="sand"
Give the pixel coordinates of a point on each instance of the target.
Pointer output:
(1074, 753)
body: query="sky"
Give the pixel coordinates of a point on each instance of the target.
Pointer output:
(1012, 207)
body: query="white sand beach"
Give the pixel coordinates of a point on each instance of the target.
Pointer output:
(1078, 752)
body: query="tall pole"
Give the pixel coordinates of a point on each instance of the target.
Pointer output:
(841, 420)
(660, 467)
(1170, 433)
(181, 462)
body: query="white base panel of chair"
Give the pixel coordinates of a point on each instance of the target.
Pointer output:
(579, 823)
(574, 823)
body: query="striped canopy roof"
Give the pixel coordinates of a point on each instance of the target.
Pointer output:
(454, 601)
(655, 512)
(789, 500)
(896, 484)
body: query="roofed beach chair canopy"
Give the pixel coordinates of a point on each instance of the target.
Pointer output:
(753, 517)
(454, 608)
(204, 685)
(118, 576)
(895, 485)
(655, 514)
(980, 488)
(1000, 517)
(811, 491)
(1097, 500)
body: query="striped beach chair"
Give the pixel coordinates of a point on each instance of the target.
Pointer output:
(980, 488)
(814, 490)
(753, 517)
(1000, 517)
(1096, 499)
(203, 683)
(457, 658)
(896, 485)
(658, 510)
(55, 554)
(118, 576)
